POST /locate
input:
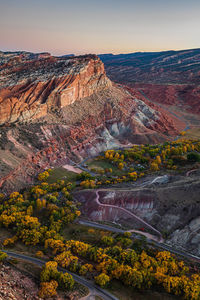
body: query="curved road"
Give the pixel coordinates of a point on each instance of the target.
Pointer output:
(160, 245)
(118, 230)
(94, 289)
(191, 171)
(132, 215)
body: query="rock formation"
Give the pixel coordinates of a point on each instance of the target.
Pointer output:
(56, 109)
(15, 285)
(32, 85)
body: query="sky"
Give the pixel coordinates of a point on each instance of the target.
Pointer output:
(106, 26)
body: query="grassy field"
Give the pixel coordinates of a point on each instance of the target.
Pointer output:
(83, 233)
(61, 173)
(193, 133)
(26, 267)
(4, 234)
(18, 246)
(99, 164)
(127, 293)
(102, 165)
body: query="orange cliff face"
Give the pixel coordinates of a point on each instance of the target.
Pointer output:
(54, 110)
(31, 85)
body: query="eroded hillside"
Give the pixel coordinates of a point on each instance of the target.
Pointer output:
(171, 206)
(56, 109)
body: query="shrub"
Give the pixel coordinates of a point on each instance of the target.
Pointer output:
(48, 289)
(178, 159)
(102, 279)
(39, 254)
(107, 240)
(84, 176)
(43, 176)
(3, 256)
(193, 157)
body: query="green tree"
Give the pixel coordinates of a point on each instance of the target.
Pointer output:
(3, 256)
(193, 157)
(102, 279)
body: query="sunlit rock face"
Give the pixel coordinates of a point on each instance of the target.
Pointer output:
(53, 110)
(33, 84)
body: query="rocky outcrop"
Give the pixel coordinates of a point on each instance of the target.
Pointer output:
(19, 282)
(15, 285)
(54, 110)
(188, 237)
(31, 85)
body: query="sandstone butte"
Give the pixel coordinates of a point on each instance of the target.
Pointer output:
(31, 85)
(57, 109)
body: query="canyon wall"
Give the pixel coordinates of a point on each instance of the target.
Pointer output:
(53, 110)
(33, 85)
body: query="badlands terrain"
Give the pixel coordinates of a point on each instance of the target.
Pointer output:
(124, 146)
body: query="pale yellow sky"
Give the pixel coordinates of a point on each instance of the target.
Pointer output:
(105, 26)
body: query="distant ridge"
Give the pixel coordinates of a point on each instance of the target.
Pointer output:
(173, 66)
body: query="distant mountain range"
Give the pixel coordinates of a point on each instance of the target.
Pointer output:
(179, 67)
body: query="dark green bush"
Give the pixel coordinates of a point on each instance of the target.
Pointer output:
(193, 157)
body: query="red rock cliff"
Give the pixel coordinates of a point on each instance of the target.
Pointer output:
(32, 85)
(74, 111)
